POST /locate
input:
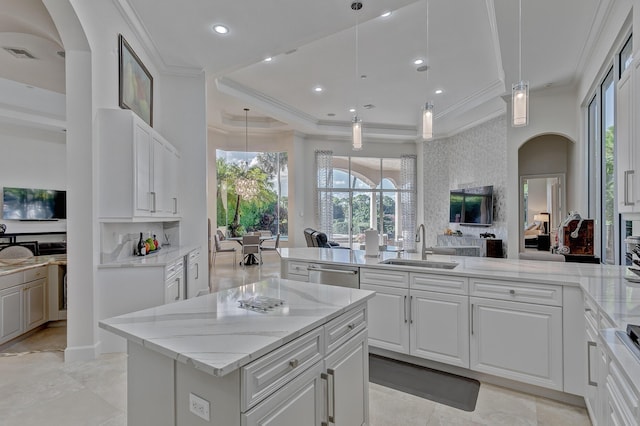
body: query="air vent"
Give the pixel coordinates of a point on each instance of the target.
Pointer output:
(19, 53)
(368, 106)
(422, 68)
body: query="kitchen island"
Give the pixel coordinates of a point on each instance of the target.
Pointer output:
(209, 360)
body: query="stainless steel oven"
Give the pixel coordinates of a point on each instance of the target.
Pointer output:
(344, 276)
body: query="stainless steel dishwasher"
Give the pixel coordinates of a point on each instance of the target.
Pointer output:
(344, 276)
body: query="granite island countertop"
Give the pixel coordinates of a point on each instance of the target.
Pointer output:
(217, 336)
(11, 266)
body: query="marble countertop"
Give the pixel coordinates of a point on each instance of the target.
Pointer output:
(217, 336)
(618, 298)
(10, 266)
(161, 257)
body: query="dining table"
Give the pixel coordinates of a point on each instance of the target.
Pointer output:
(250, 259)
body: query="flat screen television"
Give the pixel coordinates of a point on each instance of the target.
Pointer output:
(33, 204)
(471, 206)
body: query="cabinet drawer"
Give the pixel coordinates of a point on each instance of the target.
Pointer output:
(518, 292)
(10, 280)
(384, 277)
(625, 391)
(439, 283)
(298, 268)
(343, 328)
(272, 371)
(296, 277)
(619, 411)
(35, 273)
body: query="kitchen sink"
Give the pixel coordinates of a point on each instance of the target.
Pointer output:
(420, 263)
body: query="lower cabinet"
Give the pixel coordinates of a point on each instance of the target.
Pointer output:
(11, 308)
(35, 304)
(519, 341)
(388, 318)
(439, 327)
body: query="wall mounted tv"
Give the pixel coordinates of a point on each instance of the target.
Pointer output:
(471, 206)
(33, 204)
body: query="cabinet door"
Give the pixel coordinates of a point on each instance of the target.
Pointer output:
(171, 164)
(157, 176)
(298, 403)
(519, 341)
(195, 280)
(591, 387)
(172, 290)
(388, 318)
(35, 303)
(143, 164)
(347, 375)
(624, 142)
(440, 327)
(11, 311)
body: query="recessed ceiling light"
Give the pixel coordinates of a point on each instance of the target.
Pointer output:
(386, 14)
(220, 29)
(352, 110)
(318, 89)
(438, 91)
(269, 59)
(418, 61)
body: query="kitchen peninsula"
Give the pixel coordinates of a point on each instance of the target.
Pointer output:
(548, 328)
(216, 359)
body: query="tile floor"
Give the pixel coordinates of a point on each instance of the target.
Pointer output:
(38, 388)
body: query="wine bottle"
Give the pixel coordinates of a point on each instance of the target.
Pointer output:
(141, 248)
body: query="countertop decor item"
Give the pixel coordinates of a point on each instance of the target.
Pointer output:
(135, 83)
(3, 228)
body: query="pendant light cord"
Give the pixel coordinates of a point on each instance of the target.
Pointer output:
(357, 71)
(519, 40)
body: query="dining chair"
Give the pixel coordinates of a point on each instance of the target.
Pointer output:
(271, 247)
(15, 252)
(265, 233)
(251, 248)
(218, 248)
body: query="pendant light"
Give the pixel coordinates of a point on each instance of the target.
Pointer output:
(427, 109)
(520, 90)
(356, 122)
(246, 187)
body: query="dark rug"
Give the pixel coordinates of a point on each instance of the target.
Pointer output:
(444, 388)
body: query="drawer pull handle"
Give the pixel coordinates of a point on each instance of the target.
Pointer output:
(590, 381)
(512, 291)
(587, 309)
(351, 326)
(294, 363)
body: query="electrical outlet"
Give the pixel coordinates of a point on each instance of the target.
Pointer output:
(199, 406)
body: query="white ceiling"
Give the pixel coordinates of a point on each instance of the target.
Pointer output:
(472, 52)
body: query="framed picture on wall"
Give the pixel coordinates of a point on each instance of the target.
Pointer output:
(135, 83)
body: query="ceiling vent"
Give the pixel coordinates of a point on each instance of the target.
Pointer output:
(19, 53)
(368, 106)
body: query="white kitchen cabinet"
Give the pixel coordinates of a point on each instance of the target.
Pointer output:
(11, 313)
(519, 341)
(196, 277)
(174, 281)
(347, 376)
(137, 169)
(440, 327)
(388, 317)
(625, 140)
(294, 270)
(35, 299)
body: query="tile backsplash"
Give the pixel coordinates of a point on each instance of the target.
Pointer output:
(118, 240)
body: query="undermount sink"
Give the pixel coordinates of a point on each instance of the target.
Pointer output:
(420, 263)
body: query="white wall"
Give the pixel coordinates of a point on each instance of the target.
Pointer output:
(474, 157)
(32, 158)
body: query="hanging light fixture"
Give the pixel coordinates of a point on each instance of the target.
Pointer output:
(356, 123)
(520, 90)
(427, 109)
(246, 187)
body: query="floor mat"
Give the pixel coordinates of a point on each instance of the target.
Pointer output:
(444, 388)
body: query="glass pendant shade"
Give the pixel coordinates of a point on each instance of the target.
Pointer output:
(520, 103)
(427, 121)
(356, 130)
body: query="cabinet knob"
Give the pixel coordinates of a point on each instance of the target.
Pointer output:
(351, 326)
(512, 291)
(293, 363)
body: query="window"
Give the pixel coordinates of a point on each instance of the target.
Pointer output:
(626, 55)
(266, 211)
(607, 189)
(366, 193)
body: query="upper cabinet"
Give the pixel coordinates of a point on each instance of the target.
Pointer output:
(627, 133)
(137, 169)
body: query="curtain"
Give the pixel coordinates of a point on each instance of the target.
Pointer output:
(324, 199)
(408, 195)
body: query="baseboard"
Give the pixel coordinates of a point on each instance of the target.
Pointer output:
(560, 396)
(81, 353)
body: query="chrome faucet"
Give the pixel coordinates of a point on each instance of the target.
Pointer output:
(423, 252)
